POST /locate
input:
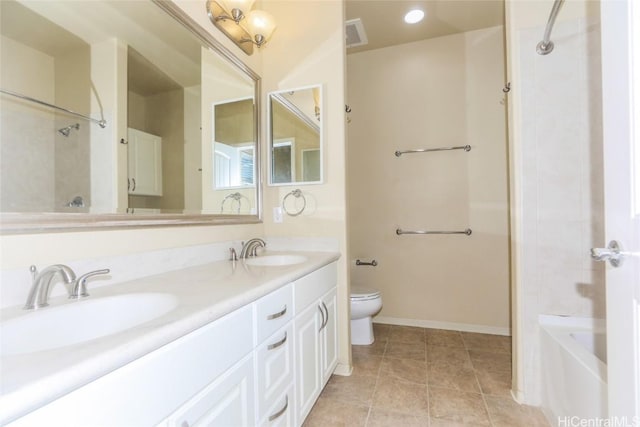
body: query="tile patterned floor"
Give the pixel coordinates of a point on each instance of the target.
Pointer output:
(425, 377)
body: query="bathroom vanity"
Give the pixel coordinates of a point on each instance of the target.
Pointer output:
(242, 343)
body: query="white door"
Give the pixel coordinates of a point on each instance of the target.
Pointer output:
(228, 401)
(621, 111)
(329, 335)
(307, 342)
(145, 163)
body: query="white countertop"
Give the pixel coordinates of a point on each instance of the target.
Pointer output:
(204, 293)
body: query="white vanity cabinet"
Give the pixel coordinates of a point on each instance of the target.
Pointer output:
(315, 331)
(263, 364)
(210, 368)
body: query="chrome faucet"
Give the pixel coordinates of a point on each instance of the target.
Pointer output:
(79, 288)
(39, 292)
(250, 248)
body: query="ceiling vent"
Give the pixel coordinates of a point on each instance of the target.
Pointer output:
(356, 35)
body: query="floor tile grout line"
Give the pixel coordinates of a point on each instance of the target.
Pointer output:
(482, 394)
(468, 347)
(375, 385)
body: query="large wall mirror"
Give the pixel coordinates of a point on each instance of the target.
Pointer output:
(295, 146)
(166, 129)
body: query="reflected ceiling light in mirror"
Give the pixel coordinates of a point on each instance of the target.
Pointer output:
(414, 16)
(245, 27)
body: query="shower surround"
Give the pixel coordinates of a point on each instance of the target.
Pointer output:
(557, 191)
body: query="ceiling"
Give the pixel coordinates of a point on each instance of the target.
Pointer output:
(384, 25)
(57, 27)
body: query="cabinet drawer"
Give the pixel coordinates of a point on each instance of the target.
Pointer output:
(273, 311)
(274, 368)
(281, 413)
(311, 287)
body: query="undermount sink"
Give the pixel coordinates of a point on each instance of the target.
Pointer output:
(276, 260)
(80, 321)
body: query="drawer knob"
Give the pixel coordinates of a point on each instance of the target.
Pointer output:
(277, 344)
(278, 314)
(281, 411)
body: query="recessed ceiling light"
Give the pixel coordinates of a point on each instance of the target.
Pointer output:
(414, 16)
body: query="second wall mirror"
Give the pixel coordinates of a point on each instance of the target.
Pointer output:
(295, 137)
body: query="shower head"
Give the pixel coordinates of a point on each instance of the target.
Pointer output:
(66, 131)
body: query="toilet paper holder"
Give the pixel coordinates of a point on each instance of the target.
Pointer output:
(373, 263)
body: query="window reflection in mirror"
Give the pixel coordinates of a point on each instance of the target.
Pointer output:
(229, 158)
(234, 156)
(295, 152)
(154, 82)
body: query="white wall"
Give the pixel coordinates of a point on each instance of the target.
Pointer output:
(434, 93)
(308, 49)
(27, 169)
(556, 166)
(192, 150)
(72, 153)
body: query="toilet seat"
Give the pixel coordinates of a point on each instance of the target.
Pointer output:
(364, 294)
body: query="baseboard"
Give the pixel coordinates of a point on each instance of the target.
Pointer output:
(464, 327)
(517, 396)
(343, 370)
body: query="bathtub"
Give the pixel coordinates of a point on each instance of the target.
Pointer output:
(574, 370)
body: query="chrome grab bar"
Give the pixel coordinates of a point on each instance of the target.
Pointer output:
(546, 45)
(428, 150)
(373, 263)
(400, 232)
(102, 123)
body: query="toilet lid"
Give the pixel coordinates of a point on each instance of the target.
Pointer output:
(360, 293)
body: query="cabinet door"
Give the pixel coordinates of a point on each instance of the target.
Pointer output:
(145, 163)
(329, 336)
(228, 401)
(308, 359)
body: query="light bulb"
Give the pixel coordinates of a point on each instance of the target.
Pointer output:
(260, 25)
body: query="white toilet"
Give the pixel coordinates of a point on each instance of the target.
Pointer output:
(365, 303)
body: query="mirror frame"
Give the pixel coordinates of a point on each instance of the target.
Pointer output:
(30, 223)
(270, 140)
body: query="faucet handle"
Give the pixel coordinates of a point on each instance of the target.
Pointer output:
(79, 289)
(233, 255)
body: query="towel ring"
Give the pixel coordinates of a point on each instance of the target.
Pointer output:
(297, 194)
(234, 196)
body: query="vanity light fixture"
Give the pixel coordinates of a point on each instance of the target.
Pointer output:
(237, 8)
(414, 16)
(245, 27)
